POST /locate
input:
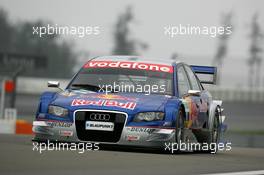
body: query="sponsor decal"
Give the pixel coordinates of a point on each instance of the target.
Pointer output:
(127, 105)
(100, 126)
(141, 130)
(59, 124)
(129, 65)
(132, 138)
(192, 108)
(109, 103)
(66, 133)
(192, 111)
(83, 102)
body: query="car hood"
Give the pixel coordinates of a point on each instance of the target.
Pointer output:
(125, 102)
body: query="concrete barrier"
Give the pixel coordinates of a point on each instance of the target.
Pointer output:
(7, 126)
(238, 94)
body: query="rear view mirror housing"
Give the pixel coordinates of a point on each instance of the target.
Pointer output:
(53, 84)
(194, 92)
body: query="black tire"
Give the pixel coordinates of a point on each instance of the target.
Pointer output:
(214, 133)
(179, 130)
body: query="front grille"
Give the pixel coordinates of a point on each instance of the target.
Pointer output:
(99, 136)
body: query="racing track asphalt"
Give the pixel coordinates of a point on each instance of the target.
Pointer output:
(17, 157)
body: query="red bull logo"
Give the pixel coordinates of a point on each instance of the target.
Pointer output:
(109, 103)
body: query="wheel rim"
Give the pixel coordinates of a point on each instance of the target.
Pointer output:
(179, 135)
(216, 130)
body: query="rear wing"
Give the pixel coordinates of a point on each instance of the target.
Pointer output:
(209, 72)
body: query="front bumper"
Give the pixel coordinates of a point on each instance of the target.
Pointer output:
(142, 136)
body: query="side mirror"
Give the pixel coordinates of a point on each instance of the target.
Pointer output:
(54, 84)
(194, 92)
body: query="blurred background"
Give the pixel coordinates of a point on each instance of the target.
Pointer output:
(136, 27)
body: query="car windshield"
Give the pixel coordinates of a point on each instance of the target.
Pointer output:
(123, 80)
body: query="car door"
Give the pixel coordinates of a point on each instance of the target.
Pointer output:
(190, 106)
(199, 97)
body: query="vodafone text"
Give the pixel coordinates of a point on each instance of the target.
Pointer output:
(129, 65)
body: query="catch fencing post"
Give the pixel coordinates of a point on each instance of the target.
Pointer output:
(2, 103)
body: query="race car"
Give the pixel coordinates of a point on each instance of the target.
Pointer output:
(132, 101)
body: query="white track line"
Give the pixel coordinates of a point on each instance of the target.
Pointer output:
(240, 173)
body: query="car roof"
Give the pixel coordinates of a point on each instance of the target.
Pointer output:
(133, 59)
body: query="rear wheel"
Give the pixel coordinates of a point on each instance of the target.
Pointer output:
(214, 133)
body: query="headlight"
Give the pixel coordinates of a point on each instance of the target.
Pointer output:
(149, 116)
(58, 111)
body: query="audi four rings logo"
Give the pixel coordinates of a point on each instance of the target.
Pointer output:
(99, 117)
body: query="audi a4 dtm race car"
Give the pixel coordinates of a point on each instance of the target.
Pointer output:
(116, 100)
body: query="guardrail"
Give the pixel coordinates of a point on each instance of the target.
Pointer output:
(35, 86)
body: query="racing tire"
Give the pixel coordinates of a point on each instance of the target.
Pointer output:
(179, 130)
(213, 135)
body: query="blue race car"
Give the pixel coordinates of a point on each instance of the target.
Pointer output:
(116, 100)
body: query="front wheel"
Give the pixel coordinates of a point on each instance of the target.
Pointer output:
(179, 130)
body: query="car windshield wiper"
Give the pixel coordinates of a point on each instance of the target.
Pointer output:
(89, 87)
